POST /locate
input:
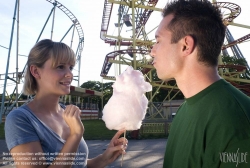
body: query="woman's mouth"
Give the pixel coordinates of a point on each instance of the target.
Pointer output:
(65, 83)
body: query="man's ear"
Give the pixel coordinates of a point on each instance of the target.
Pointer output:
(188, 45)
(35, 71)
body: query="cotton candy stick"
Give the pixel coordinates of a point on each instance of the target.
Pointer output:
(123, 144)
(128, 105)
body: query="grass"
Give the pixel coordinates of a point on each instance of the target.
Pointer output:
(96, 130)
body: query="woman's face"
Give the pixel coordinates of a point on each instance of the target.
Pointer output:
(55, 80)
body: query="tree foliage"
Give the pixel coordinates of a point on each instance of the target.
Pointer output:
(229, 60)
(226, 59)
(105, 88)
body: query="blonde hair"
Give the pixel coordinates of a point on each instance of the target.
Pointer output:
(39, 54)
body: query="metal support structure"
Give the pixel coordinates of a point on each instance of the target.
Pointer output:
(239, 25)
(17, 52)
(67, 32)
(78, 52)
(45, 24)
(53, 20)
(72, 37)
(132, 50)
(8, 60)
(120, 2)
(133, 34)
(18, 97)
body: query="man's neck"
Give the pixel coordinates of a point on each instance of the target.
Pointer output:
(193, 81)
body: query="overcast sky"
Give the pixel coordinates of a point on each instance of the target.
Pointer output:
(33, 15)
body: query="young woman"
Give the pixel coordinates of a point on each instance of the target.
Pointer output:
(44, 133)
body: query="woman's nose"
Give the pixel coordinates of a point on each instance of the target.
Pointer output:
(69, 74)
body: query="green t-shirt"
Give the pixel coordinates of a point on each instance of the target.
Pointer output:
(211, 130)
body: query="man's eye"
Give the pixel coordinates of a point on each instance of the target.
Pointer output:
(156, 42)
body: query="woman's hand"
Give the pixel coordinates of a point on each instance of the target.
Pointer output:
(71, 116)
(116, 147)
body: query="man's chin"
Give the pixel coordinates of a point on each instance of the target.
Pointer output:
(164, 78)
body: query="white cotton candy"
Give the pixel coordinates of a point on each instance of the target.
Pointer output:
(127, 107)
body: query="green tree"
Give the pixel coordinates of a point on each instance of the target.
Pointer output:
(230, 60)
(105, 88)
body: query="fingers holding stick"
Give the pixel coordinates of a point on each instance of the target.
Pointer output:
(123, 144)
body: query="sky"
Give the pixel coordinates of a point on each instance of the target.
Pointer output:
(33, 15)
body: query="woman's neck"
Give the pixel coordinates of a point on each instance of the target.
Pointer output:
(45, 104)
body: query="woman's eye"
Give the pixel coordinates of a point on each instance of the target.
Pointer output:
(60, 67)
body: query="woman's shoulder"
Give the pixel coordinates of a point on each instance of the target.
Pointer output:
(19, 113)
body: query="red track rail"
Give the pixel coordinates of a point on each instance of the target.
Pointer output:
(107, 10)
(244, 87)
(234, 8)
(112, 56)
(240, 40)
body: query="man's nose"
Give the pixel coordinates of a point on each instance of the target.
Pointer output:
(152, 51)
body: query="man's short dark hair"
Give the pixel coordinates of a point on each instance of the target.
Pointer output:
(202, 21)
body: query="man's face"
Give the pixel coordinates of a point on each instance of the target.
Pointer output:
(167, 60)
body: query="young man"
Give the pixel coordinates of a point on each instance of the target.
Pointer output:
(212, 127)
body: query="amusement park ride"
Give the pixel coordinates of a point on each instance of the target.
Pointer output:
(132, 47)
(17, 76)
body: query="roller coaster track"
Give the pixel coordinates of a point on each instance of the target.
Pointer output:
(75, 22)
(233, 75)
(107, 10)
(78, 27)
(112, 55)
(234, 9)
(140, 23)
(144, 17)
(236, 71)
(240, 40)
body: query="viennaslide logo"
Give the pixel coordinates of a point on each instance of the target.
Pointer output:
(234, 157)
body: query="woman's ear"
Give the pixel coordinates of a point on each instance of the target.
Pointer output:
(35, 71)
(188, 45)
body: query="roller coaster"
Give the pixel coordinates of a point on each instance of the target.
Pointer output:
(132, 42)
(17, 76)
(133, 49)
